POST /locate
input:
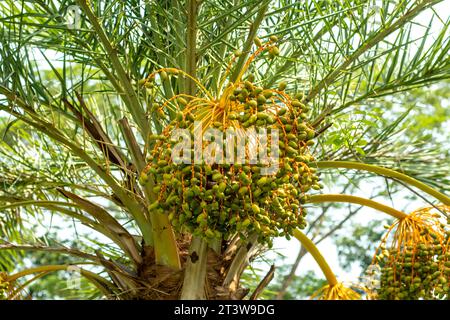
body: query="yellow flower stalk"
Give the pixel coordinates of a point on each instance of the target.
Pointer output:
(388, 173)
(420, 226)
(357, 200)
(334, 290)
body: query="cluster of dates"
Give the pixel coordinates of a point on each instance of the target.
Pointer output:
(216, 200)
(420, 271)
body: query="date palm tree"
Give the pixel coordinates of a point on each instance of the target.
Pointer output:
(81, 89)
